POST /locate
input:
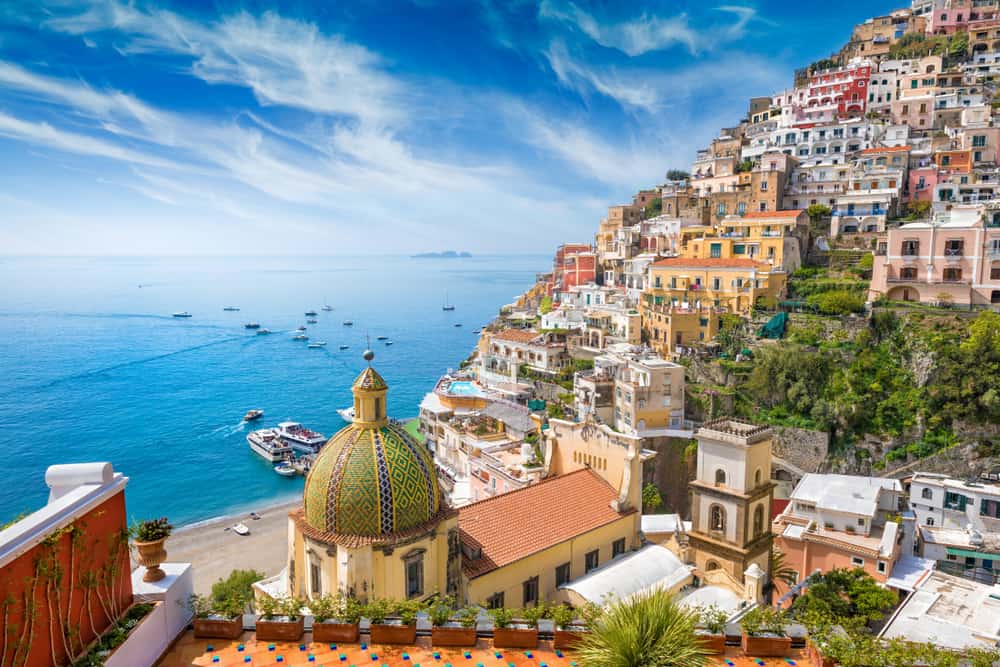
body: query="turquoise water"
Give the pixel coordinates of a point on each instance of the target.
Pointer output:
(94, 368)
(464, 389)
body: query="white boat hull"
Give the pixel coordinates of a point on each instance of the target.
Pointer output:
(272, 455)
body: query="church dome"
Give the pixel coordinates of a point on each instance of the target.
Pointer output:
(371, 480)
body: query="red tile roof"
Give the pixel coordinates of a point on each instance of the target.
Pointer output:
(886, 149)
(710, 263)
(514, 525)
(791, 213)
(516, 335)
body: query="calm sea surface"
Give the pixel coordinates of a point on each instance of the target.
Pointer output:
(94, 368)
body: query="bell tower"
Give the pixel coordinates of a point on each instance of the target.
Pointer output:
(731, 498)
(369, 391)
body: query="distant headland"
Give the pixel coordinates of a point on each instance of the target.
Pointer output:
(447, 254)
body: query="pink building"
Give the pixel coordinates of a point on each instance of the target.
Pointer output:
(922, 183)
(961, 15)
(955, 259)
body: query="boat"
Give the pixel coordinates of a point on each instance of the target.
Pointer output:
(316, 345)
(382, 338)
(241, 529)
(254, 516)
(446, 305)
(347, 414)
(182, 314)
(348, 323)
(344, 347)
(263, 332)
(326, 307)
(311, 313)
(301, 329)
(477, 331)
(285, 469)
(252, 415)
(269, 445)
(252, 325)
(300, 337)
(311, 321)
(458, 325)
(231, 309)
(299, 438)
(388, 342)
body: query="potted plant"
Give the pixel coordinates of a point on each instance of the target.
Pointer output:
(148, 537)
(336, 619)
(509, 634)
(567, 628)
(393, 622)
(712, 630)
(764, 633)
(220, 619)
(451, 628)
(280, 620)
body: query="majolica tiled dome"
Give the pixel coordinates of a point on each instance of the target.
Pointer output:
(372, 479)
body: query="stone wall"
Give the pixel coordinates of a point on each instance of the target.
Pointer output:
(801, 447)
(670, 472)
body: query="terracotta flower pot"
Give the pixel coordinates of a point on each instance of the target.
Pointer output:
(276, 630)
(567, 638)
(393, 634)
(219, 628)
(515, 637)
(716, 644)
(817, 658)
(334, 632)
(453, 636)
(764, 646)
(151, 556)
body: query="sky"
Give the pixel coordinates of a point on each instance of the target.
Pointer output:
(323, 127)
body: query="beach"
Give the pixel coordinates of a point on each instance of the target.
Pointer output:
(215, 552)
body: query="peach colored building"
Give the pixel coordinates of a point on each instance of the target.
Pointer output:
(954, 258)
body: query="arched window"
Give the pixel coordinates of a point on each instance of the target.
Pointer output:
(927, 494)
(720, 477)
(758, 521)
(717, 518)
(757, 475)
(711, 565)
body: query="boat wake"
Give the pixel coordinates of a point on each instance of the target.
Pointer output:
(229, 429)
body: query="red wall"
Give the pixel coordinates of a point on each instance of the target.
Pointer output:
(77, 582)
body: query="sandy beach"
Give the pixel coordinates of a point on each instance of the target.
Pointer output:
(215, 552)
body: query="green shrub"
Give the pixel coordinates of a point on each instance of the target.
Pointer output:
(839, 302)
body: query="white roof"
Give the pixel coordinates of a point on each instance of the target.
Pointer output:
(949, 611)
(663, 523)
(432, 403)
(652, 566)
(712, 596)
(908, 572)
(888, 542)
(843, 493)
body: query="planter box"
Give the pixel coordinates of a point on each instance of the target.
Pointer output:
(816, 657)
(334, 633)
(766, 646)
(393, 634)
(567, 638)
(219, 628)
(714, 644)
(453, 636)
(515, 637)
(280, 631)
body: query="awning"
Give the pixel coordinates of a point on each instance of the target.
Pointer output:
(968, 553)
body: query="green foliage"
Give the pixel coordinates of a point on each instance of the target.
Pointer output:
(502, 617)
(713, 619)
(535, 613)
(441, 610)
(652, 500)
(764, 620)
(562, 615)
(468, 617)
(378, 609)
(867, 262)
(838, 302)
(545, 306)
(407, 610)
(653, 208)
(151, 530)
(817, 211)
(554, 411)
(645, 629)
(732, 334)
(824, 63)
(236, 588)
(848, 598)
(918, 45)
(743, 166)
(115, 636)
(678, 175)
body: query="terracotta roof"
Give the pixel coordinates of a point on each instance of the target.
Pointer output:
(886, 149)
(517, 335)
(514, 525)
(710, 263)
(791, 213)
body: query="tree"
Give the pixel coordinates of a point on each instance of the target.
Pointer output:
(817, 211)
(646, 629)
(677, 175)
(732, 334)
(744, 165)
(238, 586)
(653, 208)
(918, 209)
(545, 305)
(849, 598)
(651, 499)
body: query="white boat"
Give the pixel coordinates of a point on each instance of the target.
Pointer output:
(269, 445)
(263, 332)
(300, 337)
(388, 342)
(446, 305)
(344, 347)
(241, 529)
(252, 415)
(182, 314)
(326, 307)
(299, 438)
(347, 414)
(318, 344)
(285, 469)
(231, 309)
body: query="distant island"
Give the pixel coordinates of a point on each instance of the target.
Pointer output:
(447, 254)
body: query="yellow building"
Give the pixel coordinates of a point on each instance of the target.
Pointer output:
(778, 238)
(733, 284)
(667, 326)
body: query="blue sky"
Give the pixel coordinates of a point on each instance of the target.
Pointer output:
(354, 127)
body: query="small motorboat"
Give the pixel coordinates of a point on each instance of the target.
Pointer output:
(300, 337)
(285, 469)
(328, 308)
(231, 309)
(241, 529)
(252, 325)
(301, 329)
(263, 332)
(477, 331)
(382, 338)
(347, 414)
(311, 321)
(388, 342)
(348, 323)
(457, 325)
(182, 314)
(252, 415)
(311, 313)
(344, 347)
(316, 345)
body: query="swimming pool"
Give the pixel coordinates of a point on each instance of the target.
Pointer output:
(464, 388)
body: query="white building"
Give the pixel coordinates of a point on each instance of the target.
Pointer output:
(946, 502)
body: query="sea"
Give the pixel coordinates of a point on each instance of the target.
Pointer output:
(94, 367)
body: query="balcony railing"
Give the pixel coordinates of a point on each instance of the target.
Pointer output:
(953, 252)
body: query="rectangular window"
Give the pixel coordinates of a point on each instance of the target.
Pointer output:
(618, 547)
(910, 248)
(953, 247)
(414, 577)
(952, 275)
(979, 141)
(857, 562)
(495, 601)
(591, 561)
(739, 249)
(530, 591)
(316, 580)
(562, 575)
(881, 567)
(716, 284)
(715, 250)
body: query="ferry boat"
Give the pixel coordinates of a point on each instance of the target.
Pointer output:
(252, 325)
(347, 414)
(263, 332)
(252, 415)
(269, 445)
(299, 438)
(316, 345)
(231, 309)
(285, 469)
(182, 314)
(311, 313)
